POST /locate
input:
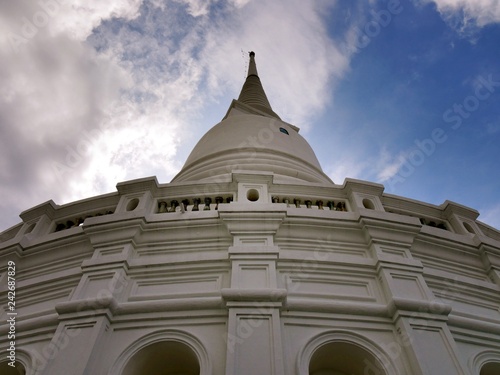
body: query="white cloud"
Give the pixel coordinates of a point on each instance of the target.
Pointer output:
(239, 3)
(78, 18)
(300, 58)
(346, 167)
(54, 89)
(464, 15)
(389, 165)
(86, 104)
(360, 165)
(197, 8)
(24, 21)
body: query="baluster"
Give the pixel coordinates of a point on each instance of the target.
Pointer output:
(196, 204)
(60, 227)
(185, 203)
(217, 201)
(162, 207)
(173, 205)
(207, 200)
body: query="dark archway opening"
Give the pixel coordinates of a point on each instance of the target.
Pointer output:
(6, 369)
(490, 368)
(164, 358)
(342, 358)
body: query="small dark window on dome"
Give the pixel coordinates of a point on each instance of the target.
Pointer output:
(283, 130)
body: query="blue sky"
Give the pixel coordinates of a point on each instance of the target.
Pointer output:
(404, 93)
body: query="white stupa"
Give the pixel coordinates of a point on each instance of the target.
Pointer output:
(250, 262)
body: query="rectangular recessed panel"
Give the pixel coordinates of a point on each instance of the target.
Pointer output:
(98, 285)
(407, 287)
(394, 252)
(340, 288)
(176, 286)
(254, 241)
(254, 276)
(254, 352)
(434, 352)
(473, 305)
(44, 301)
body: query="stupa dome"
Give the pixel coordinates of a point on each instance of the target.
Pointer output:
(252, 142)
(252, 137)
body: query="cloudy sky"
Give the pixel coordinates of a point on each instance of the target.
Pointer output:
(405, 93)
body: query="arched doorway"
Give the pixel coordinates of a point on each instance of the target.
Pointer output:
(344, 358)
(163, 358)
(5, 369)
(490, 368)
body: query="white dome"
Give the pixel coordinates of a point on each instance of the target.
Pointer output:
(252, 142)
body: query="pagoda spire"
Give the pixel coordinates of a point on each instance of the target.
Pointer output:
(252, 68)
(252, 93)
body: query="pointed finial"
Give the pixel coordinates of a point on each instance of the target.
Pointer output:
(252, 93)
(252, 68)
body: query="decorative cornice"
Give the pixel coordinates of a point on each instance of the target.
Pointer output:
(47, 208)
(257, 221)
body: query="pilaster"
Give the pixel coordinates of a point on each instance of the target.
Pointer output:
(490, 256)
(420, 319)
(84, 320)
(254, 343)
